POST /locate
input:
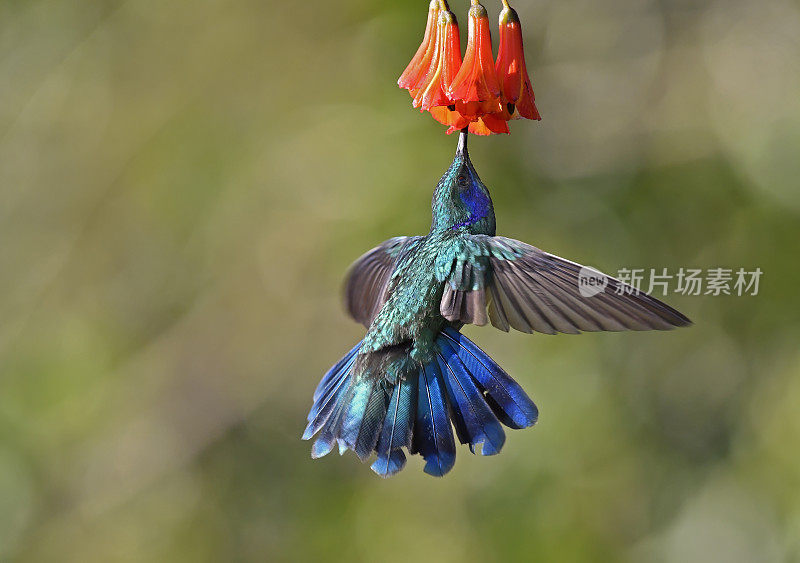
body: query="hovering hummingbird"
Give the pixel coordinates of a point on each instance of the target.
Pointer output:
(414, 374)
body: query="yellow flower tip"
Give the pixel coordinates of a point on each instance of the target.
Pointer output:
(478, 11)
(508, 15)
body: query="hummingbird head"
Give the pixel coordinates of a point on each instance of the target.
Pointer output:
(461, 199)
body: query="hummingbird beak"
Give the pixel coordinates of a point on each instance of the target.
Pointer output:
(461, 150)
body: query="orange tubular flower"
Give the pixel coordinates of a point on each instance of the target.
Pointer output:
(468, 93)
(417, 69)
(517, 92)
(446, 62)
(475, 88)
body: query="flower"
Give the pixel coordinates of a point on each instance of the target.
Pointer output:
(517, 92)
(475, 93)
(432, 92)
(475, 88)
(417, 69)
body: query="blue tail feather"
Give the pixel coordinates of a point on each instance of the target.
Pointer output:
(332, 375)
(433, 435)
(461, 387)
(327, 437)
(397, 428)
(328, 405)
(469, 406)
(363, 417)
(334, 386)
(389, 465)
(508, 400)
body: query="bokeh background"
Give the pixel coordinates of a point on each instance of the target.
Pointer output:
(183, 185)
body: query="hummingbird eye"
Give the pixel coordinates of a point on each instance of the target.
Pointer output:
(462, 180)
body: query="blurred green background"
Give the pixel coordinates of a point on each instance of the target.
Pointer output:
(183, 185)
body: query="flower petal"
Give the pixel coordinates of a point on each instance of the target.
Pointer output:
(488, 125)
(446, 116)
(474, 110)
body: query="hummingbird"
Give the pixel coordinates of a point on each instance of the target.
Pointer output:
(414, 377)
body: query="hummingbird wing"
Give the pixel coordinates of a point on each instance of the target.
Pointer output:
(367, 282)
(516, 285)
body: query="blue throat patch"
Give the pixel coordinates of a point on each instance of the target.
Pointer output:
(477, 203)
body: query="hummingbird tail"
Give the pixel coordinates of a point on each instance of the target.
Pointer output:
(462, 386)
